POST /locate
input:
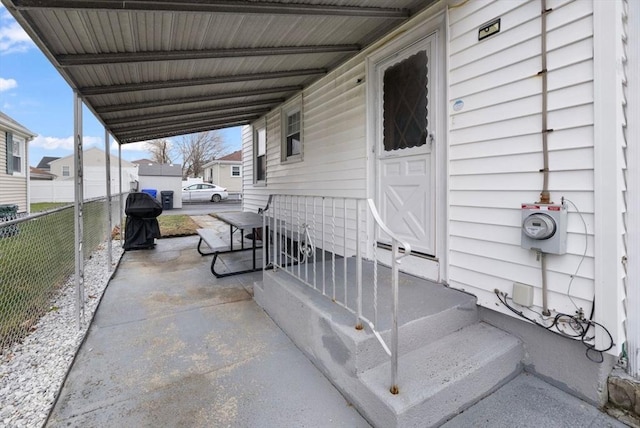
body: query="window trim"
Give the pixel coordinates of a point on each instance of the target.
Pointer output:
(68, 171)
(256, 136)
(8, 143)
(14, 141)
(239, 171)
(289, 109)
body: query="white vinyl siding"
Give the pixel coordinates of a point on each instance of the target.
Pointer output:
(334, 143)
(13, 188)
(496, 147)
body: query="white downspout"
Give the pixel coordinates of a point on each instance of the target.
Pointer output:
(633, 190)
(608, 172)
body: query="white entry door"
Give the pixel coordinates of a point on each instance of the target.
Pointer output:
(404, 145)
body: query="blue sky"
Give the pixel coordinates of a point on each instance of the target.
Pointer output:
(33, 93)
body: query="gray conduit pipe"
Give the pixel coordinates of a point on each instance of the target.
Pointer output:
(545, 197)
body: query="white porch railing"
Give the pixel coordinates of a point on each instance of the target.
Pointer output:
(324, 242)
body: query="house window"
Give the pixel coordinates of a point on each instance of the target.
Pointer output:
(292, 132)
(260, 155)
(235, 170)
(16, 162)
(65, 171)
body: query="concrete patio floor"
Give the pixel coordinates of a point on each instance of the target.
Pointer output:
(172, 346)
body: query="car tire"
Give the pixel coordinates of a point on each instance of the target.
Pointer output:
(215, 198)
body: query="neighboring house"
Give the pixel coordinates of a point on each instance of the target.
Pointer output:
(61, 188)
(43, 165)
(64, 168)
(144, 161)
(447, 131)
(226, 172)
(14, 174)
(162, 177)
(40, 174)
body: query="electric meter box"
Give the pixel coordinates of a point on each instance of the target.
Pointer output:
(544, 228)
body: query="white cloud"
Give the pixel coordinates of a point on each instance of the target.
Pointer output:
(138, 147)
(52, 143)
(12, 37)
(66, 143)
(6, 84)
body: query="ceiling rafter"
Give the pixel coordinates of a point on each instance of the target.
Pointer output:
(186, 125)
(194, 118)
(188, 100)
(218, 6)
(224, 107)
(181, 83)
(73, 60)
(178, 132)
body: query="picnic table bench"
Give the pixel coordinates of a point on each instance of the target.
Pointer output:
(237, 221)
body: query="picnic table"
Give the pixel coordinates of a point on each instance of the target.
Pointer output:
(237, 221)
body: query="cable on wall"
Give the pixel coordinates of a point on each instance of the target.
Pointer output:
(571, 326)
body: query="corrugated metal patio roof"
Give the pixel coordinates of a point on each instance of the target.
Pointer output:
(156, 69)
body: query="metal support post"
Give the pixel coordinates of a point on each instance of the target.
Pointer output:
(107, 163)
(78, 207)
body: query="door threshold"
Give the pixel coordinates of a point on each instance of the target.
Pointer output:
(413, 253)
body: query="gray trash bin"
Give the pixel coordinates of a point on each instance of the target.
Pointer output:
(8, 212)
(166, 196)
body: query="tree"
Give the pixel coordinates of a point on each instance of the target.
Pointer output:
(160, 150)
(198, 149)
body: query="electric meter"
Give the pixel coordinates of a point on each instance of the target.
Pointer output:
(539, 226)
(544, 228)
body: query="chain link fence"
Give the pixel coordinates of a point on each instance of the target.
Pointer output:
(37, 257)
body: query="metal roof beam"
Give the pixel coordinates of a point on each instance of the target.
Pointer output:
(185, 124)
(218, 6)
(177, 132)
(186, 121)
(224, 107)
(72, 60)
(187, 127)
(169, 84)
(212, 97)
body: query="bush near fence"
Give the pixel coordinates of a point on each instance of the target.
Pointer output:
(37, 260)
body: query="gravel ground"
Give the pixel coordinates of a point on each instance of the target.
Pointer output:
(32, 372)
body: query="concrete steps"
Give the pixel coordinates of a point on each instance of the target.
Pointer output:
(448, 360)
(440, 379)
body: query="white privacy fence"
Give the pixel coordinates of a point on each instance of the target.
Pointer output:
(62, 190)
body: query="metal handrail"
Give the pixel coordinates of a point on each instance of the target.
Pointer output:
(294, 232)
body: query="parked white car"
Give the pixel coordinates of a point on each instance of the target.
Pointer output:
(204, 192)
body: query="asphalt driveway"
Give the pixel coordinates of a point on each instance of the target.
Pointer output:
(204, 208)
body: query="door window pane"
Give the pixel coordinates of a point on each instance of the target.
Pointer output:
(405, 103)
